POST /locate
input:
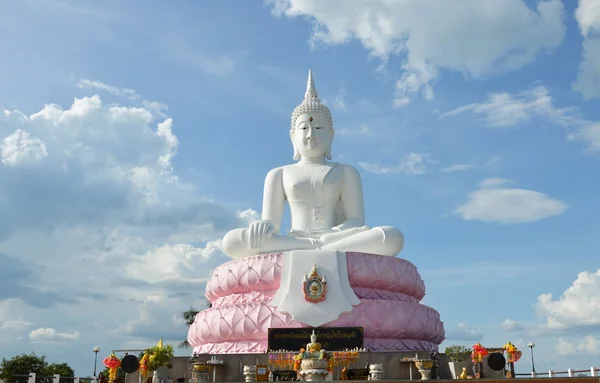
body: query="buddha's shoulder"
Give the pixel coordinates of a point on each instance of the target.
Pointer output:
(276, 172)
(348, 170)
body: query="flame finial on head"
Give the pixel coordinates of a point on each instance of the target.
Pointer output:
(311, 103)
(311, 91)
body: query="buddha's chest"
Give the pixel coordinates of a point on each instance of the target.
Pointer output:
(315, 184)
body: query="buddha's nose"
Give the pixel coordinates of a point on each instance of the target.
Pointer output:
(310, 133)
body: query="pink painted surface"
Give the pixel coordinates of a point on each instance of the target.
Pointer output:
(390, 313)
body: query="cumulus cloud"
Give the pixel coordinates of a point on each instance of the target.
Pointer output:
(50, 334)
(588, 76)
(578, 306)
(101, 225)
(587, 345)
(179, 262)
(413, 163)
(511, 325)
(503, 110)
(510, 35)
(7, 319)
(155, 106)
(495, 202)
(20, 147)
(463, 331)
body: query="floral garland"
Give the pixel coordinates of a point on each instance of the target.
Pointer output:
(345, 358)
(282, 360)
(479, 352)
(513, 354)
(145, 365)
(290, 360)
(113, 363)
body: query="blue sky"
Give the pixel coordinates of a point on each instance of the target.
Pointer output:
(135, 135)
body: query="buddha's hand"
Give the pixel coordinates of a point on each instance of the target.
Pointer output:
(258, 231)
(349, 224)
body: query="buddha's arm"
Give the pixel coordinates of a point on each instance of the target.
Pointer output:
(274, 198)
(352, 199)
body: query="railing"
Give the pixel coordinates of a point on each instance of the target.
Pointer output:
(593, 371)
(32, 377)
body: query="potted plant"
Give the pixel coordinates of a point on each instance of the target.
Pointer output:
(459, 358)
(159, 360)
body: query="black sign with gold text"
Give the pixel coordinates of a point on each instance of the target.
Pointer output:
(358, 374)
(331, 338)
(284, 375)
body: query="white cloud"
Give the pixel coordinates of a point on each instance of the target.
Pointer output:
(401, 101)
(413, 163)
(510, 35)
(587, 345)
(20, 148)
(588, 77)
(456, 168)
(502, 110)
(51, 334)
(493, 203)
(19, 324)
(463, 331)
(100, 225)
(579, 305)
(249, 215)
(505, 110)
(155, 106)
(339, 100)
(7, 319)
(511, 325)
(565, 347)
(87, 83)
(179, 262)
(494, 182)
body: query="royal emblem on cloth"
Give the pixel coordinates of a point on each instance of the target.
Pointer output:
(314, 286)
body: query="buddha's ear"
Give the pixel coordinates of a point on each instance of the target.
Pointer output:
(328, 153)
(296, 152)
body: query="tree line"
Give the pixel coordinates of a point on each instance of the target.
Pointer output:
(17, 369)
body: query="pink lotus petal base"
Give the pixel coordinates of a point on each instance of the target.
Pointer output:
(390, 313)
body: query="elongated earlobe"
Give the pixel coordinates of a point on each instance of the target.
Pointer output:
(328, 153)
(296, 152)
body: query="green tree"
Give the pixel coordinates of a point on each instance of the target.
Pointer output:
(457, 353)
(17, 369)
(189, 316)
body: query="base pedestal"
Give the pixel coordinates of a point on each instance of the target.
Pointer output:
(389, 289)
(314, 375)
(425, 374)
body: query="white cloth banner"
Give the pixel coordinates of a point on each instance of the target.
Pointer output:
(339, 298)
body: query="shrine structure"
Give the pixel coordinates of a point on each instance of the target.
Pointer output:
(330, 273)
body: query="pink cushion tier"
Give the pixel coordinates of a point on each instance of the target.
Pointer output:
(389, 288)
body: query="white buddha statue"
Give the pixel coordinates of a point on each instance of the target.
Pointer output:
(325, 198)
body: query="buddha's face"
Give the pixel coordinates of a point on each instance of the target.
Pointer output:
(312, 136)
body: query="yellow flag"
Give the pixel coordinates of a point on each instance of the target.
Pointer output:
(160, 343)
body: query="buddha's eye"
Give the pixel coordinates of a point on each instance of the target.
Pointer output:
(318, 127)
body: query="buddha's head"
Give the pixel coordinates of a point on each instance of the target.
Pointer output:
(312, 126)
(313, 337)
